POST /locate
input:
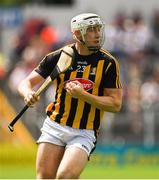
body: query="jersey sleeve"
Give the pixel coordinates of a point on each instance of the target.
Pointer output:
(47, 64)
(112, 75)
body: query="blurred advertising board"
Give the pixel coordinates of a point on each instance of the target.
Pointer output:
(126, 154)
(10, 16)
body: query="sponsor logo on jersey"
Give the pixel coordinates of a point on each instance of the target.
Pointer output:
(86, 83)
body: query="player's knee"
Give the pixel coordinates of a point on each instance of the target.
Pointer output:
(44, 174)
(67, 175)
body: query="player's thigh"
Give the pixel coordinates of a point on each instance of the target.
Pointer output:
(48, 158)
(73, 163)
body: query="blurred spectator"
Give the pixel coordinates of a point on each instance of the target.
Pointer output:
(30, 28)
(137, 34)
(150, 89)
(34, 28)
(153, 46)
(115, 34)
(49, 35)
(3, 66)
(127, 35)
(31, 55)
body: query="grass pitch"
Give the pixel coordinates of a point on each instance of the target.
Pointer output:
(19, 163)
(91, 172)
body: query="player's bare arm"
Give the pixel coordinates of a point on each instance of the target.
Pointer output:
(25, 88)
(111, 102)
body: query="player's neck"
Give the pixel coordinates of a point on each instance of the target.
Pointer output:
(82, 50)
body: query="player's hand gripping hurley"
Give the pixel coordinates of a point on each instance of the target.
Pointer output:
(63, 64)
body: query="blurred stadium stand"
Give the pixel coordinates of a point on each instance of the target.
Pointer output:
(132, 35)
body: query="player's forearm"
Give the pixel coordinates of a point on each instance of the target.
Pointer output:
(24, 88)
(105, 103)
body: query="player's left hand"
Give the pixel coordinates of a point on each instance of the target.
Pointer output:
(74, 88)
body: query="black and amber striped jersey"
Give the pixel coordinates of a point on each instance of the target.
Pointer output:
(96, 72)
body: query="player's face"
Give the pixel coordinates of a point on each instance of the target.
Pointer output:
(94, 36)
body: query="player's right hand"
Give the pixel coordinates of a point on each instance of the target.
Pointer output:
(31, 98)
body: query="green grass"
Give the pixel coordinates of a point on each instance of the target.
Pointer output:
(17, 162)
(91, 172)
(17, 172)
(121, 172)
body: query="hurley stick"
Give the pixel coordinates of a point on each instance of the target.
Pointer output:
(63, 64)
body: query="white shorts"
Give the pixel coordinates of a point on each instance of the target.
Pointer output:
(66, 136)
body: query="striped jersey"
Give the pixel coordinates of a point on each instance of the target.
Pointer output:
(96, 72)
